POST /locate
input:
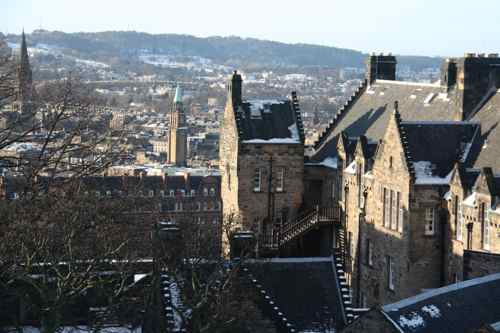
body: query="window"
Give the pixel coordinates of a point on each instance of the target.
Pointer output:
(363, 300)
(460, 219)
(151, 193)
(172, 193)
(387, 208)
(390, 162)
(205, 206)
(390, 273)
(369, 253)
(429, 221)
(162, 193)
(334, 188)
(183, 193)
(257, 180)
(178, 206)
(97, 194)
(400, 211)
(280, 180)
(485, 226)
(394, 211)
(212, 192)
(349, 245)
(108, 193)
(193, 193)
(205, 191)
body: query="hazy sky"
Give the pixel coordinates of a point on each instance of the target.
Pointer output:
(426, 27)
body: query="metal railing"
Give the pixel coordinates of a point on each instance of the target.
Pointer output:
(279, 236)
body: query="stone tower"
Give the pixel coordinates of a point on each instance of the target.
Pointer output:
(177, 140)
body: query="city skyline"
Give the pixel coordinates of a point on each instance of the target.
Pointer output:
(407, 28)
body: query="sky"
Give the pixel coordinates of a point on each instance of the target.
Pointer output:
(416, 27)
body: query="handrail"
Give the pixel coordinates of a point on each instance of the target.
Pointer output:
(281, 235)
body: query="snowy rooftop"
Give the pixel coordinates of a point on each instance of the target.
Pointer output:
(459, 307)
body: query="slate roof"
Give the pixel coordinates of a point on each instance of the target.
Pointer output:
(489, 117)
(268, 119)
(371, 111)
(440, 143)
(460, 307)
(304, 289)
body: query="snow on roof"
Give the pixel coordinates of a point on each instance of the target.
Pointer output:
(293, 138)
(470, 200)
(294, 132)
(439, 291)
(329, 162)
(262, 105)
(351, 168)
(424, 174)
(447, 195)
(496, 326)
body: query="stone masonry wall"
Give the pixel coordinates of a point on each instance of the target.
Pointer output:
(477, 264)
(254, 205)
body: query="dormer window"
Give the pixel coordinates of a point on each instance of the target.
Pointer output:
(172, 193)
(108, 193)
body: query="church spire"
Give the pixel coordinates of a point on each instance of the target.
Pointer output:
(24, 71)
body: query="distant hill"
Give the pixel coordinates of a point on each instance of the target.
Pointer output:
(231, 51)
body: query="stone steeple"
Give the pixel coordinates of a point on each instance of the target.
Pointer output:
(177, 141)
(24, 74)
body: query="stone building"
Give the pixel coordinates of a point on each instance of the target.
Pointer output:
(191, 201)
(414, 168)
(177, 140)
(402, 187)
(261, 161)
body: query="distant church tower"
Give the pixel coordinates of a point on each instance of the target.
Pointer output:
(24, 93)
(177, 141)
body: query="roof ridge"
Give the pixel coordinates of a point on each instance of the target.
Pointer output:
(340, 113)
